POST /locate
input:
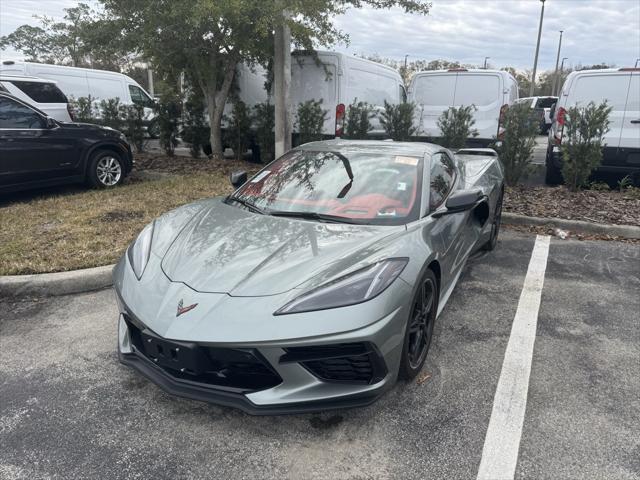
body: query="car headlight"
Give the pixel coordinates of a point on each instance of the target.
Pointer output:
(140, 250)
(357, 287)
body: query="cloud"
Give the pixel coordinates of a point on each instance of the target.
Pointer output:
(464, 30)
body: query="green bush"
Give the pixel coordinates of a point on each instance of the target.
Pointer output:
(168, 110)
(238, 129)
(112, 113)
(195, 131)
(516, 149)
(397, 121)
(132, 121)
(455, 125)
(310, 121)
(358, 121)
(582, 143)
(83, 109)
(264, 117)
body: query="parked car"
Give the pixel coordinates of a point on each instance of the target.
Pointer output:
(84, 82)
(316, 284)
(490, 91)
(40, 93)
(541, 106)
(620, 88)
(37, 151)
(338, 79)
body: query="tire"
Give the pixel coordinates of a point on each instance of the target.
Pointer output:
(553, 175)
(153, 129)
(419, 331)
(106, 169)
(495, 225)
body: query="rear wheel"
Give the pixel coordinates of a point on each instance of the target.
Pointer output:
(417, 338)
(495, 225)
(105, 169)
(553, 175)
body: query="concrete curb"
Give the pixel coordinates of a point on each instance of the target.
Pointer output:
(626, 231)
(54, 284)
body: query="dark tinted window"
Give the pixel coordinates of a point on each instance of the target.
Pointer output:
(546, 102)
(41, 92)
(443, 174)
(16, 115)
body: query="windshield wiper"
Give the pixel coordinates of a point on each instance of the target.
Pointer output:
(246, 204)
(321, 217)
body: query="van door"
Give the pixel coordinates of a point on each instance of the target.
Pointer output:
(485, 91)
(597, 88)
(310, 81)
(433, 94)
(629, 145)
(372, 87)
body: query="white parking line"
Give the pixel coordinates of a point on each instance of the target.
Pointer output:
(501, 445)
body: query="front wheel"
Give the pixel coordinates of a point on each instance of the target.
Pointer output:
(417, 338)
(495, 225)
(105, 169)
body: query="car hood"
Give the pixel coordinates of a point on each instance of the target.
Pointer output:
(226, 249)
(90, 127)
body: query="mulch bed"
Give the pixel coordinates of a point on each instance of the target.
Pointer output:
(180, 165)
(612, 207)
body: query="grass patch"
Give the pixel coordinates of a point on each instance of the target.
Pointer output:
(78, 228)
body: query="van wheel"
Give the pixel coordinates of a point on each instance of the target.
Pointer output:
(553, 175)
(105, 169)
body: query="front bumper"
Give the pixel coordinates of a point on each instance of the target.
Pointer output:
(300, 386)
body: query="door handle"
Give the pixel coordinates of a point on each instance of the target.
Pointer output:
(635, 121)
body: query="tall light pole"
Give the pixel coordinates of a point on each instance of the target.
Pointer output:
(405, 62)
(555, 73)
(535, 61)
(559, 86)
(485, 62)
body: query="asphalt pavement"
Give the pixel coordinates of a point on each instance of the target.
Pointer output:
(69, 410)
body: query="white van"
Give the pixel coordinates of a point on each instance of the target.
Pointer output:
(338, 80)
(490, 91)
(83, 82)
(620, 88)
(40, 93)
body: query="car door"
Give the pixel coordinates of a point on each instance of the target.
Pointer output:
(30, 151)
(454, 236)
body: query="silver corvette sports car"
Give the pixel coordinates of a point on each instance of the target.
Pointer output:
(316, 284)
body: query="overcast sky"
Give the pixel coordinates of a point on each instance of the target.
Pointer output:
(595, 31)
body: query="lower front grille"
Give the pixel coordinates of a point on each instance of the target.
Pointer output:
(358, 363)
(236, 369)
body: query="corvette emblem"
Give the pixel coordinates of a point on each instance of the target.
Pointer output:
(182, 309)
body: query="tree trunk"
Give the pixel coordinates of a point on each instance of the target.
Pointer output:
(216, 100)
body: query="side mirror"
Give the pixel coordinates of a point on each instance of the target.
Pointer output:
(238, 178)
(460, 202)
(50, 122)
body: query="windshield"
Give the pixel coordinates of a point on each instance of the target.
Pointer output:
(369, 187)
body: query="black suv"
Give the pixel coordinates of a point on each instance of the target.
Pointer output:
(38, 151)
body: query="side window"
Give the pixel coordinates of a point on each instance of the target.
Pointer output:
(41, 92)
(443, 174)
(16, 115)
(138, 96)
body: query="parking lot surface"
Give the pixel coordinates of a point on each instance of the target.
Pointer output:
(68, 409)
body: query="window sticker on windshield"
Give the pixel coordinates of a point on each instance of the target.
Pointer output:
(413, 161)
(261, 176)
(402, 186)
